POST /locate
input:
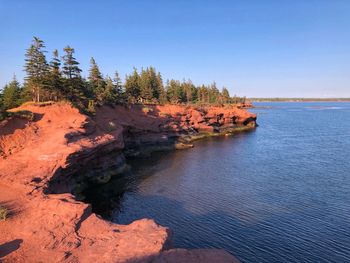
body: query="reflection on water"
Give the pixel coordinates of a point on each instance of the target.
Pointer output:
(278, 194)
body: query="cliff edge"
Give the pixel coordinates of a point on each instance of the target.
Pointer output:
(40, 164)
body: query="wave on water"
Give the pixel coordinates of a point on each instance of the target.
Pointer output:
(324, 108)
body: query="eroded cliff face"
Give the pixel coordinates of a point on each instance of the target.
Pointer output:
(40, 167)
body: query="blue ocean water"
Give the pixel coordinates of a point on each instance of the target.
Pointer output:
(280, 193)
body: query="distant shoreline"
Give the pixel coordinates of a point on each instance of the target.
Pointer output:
(299, 100)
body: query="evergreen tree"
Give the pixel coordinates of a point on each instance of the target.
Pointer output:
(71, 68)
(109, 93)
(146, 91)
(74, 84)
(96, 82)
(56, 82)
(118, 85)
(95, 76)
(132, 87)
(175, 92)
(162, 93)
(188, 89)
(214, 93)
(194, 94)
(151, 85)
(11, 94)
(2, 108)
(154, 82)
(119, 94)
(36, 68)
(225, 95)
(203, 94)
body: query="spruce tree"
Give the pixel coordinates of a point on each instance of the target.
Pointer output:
(118, 85)
(225, 95)
(132, 87)
(95, 75)
(74, 84)
(203, 94)
(214, 93)
(146, 89)
(36, 68)
(175, 92)
(162, 93)
(56, 83)
(155, 84)
(70, 65)
(109, 94)
(188, 90)
(11, 95)
(96, 82)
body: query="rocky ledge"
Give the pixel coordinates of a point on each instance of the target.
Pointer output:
(48, 159)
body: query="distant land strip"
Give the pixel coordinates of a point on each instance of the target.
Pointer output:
(299, 99)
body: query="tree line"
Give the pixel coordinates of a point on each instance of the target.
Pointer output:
(61, 79)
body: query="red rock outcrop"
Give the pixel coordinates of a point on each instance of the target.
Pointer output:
(39, 158)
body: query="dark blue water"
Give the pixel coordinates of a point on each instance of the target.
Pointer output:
(280, 193)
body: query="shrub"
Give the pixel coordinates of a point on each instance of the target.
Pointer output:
(40, 104)
(3, 213)
(24, 114)
(3, 115)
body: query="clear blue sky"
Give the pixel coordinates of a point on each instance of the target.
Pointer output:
(282, 48)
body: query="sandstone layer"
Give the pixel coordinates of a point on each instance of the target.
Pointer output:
(47, 161)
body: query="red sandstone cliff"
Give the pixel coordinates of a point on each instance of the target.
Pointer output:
(39, 158)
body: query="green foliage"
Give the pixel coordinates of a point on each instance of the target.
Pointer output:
(37, 68)
(23, 114)
(151, 85)
(56, 86)
(132, 87)
(299, 99)
(3, 115)
(11, 94)
(175, 91)
(97, 85)
(225, 95)
(75, 86)
(70, 65)
(95, 75)
(61, 80)
(118, 93)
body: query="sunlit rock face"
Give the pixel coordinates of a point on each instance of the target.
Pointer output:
(40, 179)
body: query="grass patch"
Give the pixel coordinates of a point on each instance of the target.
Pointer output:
(40, 104)
(3, 213)
(23, 114)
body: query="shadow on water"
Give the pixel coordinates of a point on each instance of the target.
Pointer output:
(108, 198)
(278, 194)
